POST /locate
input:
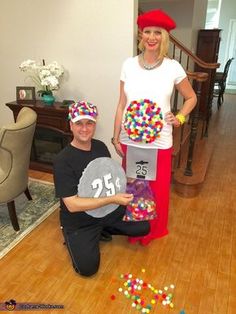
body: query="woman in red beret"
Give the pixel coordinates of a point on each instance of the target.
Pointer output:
(144, 120)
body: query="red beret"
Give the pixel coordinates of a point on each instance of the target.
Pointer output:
(156, 18)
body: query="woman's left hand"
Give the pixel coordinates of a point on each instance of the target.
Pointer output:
(170, 118)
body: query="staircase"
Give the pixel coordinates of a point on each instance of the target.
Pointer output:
(193, 145)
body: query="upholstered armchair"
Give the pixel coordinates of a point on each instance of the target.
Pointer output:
(15, 147)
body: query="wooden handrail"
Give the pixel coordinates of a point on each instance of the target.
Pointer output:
(198, 76)
(188, 52)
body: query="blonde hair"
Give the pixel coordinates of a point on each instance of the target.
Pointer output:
(164, 46)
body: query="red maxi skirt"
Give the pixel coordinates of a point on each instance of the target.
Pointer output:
(161, 191)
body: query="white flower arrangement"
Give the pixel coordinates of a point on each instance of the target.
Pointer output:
(46, 77)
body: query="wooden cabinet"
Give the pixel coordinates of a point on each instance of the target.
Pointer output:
(51, 135)
(207, 49)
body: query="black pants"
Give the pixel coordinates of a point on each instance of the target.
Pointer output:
(83, 243)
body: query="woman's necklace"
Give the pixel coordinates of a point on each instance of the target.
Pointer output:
(149, 66)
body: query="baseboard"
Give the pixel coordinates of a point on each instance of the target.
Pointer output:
(231, 91)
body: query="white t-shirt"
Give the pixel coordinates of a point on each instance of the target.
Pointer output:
(156, 85)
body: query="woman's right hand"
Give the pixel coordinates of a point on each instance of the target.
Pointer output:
(118, 149)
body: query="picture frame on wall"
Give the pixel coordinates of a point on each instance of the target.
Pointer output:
(25, 95)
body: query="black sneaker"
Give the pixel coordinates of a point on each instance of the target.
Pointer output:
(105, 236)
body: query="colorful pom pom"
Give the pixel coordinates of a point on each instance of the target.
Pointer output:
(143, 121)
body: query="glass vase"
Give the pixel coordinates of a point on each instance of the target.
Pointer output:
(48, 99)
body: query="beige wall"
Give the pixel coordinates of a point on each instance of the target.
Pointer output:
(89, 38)
(199, 20)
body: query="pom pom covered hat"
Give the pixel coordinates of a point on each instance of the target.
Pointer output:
(156, 18)
(82, 110)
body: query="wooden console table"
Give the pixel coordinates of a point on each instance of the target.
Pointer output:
(52, 120)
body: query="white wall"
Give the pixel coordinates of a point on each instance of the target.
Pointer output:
(227, 12)
(89, 38)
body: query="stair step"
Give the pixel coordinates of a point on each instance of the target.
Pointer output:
(190, 186)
